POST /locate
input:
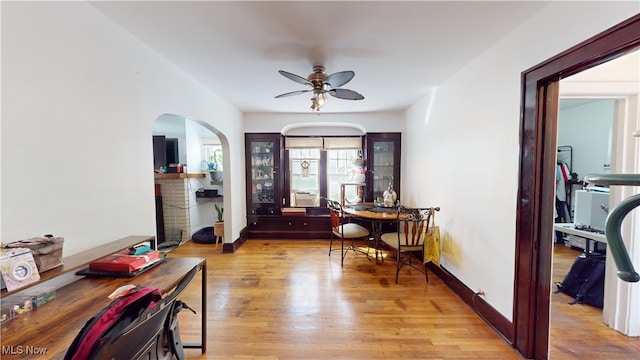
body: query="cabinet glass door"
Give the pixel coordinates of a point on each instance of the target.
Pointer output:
(383, 167)
(263, 172)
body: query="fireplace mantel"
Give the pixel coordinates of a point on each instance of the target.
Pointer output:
(177, 176)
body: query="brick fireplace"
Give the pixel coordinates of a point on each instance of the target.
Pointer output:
(175, 207)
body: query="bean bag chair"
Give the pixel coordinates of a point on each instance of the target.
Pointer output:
(204, 236)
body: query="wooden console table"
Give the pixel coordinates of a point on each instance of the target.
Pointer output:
(64, 274)
(49, 330)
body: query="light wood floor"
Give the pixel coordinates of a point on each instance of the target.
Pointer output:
(282, 299)
(577, 331)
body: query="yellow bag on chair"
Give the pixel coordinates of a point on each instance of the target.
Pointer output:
(432, 241)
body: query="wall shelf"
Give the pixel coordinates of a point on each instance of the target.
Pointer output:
(177, 176)
(209, 199)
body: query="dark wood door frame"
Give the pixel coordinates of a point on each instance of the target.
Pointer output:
(534, 221)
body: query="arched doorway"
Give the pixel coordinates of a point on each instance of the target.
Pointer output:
(189, 191)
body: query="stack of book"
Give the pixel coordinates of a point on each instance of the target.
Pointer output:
(125, 262)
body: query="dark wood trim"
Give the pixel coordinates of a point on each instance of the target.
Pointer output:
(322, 167)
(230, 248)
(534, 220)
(286, 181)
(290, 235)
(611, 43)
(500, 324)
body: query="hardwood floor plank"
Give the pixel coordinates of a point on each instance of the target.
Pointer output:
(286, 299)
(577, 331)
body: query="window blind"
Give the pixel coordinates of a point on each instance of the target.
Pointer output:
(342, 143)
(323, 142)
(303, 142)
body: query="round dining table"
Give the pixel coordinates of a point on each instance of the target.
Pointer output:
(375, 214)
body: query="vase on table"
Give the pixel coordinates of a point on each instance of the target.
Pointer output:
(389, 196)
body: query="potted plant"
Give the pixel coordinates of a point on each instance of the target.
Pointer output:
(218, 226)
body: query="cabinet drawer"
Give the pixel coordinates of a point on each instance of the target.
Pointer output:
(264, 211)
(289, 227)
(309, 224)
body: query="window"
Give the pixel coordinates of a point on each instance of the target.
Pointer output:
(304, 165)
(212, 155)
(340, 170)
(317, 167)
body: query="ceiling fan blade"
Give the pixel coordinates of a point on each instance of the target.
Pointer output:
(345, 94)
(340, 78)
(294, 77)
(293, 93)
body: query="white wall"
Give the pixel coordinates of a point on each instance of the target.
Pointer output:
(370, 122)
(468, 144)
(194, 164)
(80, 97)
(588, 130)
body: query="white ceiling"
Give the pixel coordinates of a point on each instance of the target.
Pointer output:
(398, 50)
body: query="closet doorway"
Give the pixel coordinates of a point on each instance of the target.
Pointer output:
(593, 126)
(534, 225)
(584, 145)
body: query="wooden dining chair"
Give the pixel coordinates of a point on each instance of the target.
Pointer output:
(343, 229)
(408, 241)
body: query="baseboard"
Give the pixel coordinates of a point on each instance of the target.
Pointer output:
(230, 248)
(491, 316)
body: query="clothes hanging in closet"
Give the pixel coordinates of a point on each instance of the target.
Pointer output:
(562, 213)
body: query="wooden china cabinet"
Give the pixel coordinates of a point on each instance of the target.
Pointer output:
(263, 177)
(383, 164)
(266, 195)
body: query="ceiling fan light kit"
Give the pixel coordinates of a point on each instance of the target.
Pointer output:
(322, 84)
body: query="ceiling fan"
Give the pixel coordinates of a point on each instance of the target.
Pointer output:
(322, 84)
